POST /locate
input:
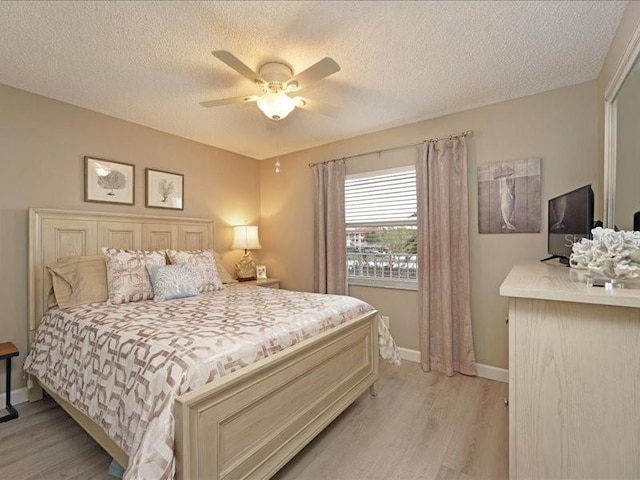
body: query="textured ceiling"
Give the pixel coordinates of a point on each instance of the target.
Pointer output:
(151, 63)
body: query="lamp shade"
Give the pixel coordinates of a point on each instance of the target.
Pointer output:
(276, 105)
(245, 237)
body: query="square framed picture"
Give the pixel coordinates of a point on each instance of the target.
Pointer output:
(106, 181)
(261, 272)
(164, 189)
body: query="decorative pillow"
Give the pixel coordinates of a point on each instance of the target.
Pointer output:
(127, 275)
(172, 281)
(203, 266)
(51, 299)
(223, 273)
(79, 280)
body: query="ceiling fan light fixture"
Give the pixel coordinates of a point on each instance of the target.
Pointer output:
(276, 105)
(277, 81)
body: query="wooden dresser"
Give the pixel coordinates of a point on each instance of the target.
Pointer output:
(574, 376)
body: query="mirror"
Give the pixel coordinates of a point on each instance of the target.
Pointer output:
(622, 142)
(627, 178)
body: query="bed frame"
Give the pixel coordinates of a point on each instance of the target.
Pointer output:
(245, 425)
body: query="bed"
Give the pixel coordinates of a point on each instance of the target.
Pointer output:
(246, 423)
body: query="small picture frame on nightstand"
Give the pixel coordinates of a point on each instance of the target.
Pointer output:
(261, 272)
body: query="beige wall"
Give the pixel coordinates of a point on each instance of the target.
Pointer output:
(560, 126)
(628, 153)
(43, 142)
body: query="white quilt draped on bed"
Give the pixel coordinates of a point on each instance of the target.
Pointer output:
(124, 365)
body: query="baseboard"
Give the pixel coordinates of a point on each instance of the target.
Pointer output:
(484, 371)
(409, 355)
(18, 396)
(493, 373)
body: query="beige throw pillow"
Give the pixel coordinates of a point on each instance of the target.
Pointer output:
(79, 280)
(51, 299)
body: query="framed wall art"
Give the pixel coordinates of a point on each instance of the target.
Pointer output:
(164, 189)
(106, 181)
(509, 197)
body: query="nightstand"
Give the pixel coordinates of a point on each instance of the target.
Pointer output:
(7, 351)
(268, 282)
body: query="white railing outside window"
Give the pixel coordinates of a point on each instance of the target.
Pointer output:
(395, 266)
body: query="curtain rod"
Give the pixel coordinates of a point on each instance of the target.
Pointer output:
(468, 133)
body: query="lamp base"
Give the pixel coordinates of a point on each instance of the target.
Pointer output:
(246, 268)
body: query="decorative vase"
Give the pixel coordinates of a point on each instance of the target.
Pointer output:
(246, 268)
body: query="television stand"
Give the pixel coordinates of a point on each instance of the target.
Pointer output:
(563, 260)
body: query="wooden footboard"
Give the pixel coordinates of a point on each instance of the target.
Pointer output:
(249, 424)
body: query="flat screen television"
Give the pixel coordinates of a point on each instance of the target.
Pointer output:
(570, 219)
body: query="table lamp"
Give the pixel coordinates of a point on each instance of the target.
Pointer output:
(245, 237)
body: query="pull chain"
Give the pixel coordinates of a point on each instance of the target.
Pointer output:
(278, 133)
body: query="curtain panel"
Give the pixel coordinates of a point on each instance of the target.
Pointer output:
(446, 342)
(330, 247)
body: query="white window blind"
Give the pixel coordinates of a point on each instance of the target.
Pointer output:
(386, 197)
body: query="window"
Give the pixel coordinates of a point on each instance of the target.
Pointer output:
(381, 220)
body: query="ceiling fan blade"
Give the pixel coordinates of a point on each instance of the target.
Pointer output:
(315, 72)
(231, 60)
(318, 107)
(228, 101)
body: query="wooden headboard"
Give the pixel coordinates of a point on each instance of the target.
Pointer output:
(54, 234)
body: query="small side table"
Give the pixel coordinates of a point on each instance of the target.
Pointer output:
(265, 282)
(7, 351)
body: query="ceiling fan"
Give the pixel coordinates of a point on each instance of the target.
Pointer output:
(277, 83)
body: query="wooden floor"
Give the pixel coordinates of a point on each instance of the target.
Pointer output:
(420, 426)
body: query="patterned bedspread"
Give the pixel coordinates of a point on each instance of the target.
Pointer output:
(124, 365)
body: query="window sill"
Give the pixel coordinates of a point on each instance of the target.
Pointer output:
(380, 283)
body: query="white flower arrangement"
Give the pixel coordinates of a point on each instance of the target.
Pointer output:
(614, 255)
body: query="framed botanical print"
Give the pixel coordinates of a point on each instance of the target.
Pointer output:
(106, 181)
(164, 189)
